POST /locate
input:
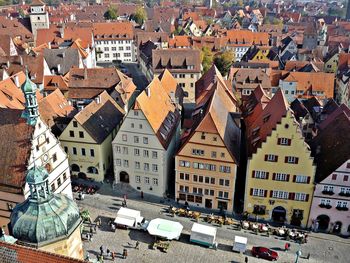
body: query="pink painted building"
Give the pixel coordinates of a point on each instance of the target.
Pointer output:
(331, 202)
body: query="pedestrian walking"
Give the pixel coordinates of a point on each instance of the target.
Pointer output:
(101, 250)
(137, 246)
(108, 253)
(286, 247)
(113, 255)
(125, 253)
(246, 260)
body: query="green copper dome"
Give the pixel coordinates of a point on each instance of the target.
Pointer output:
(28, 86)
(44, 217)
(36, 175)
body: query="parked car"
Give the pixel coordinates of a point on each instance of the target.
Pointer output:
(265, 253)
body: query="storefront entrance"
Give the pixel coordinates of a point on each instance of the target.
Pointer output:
(337, 227)
(208, 203)
(322, 222)
(124, 177)
(279, 214)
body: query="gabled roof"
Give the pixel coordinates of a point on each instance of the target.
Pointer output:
(299, 109)
(113, 30)
(99, 118)
(53, 106)
(264, 117)
(331, 146)
(15, 149)
(168, 82)
(64, 59)
(159, 110)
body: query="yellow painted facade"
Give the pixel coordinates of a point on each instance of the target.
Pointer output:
(331, 66)
(270, 196)
(261, 55)
(70, 247)
(202, 187)
(93, 159)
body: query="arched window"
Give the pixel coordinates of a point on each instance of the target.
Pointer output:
(75, 168)
(92, 170)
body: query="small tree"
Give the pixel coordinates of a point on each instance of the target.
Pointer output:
(111, 13)
(207, 58)
(85, 215)
(224, 62)
(140, 15)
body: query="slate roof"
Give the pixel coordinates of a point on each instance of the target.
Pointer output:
(99, 119)
(15, 149)
(65, 57)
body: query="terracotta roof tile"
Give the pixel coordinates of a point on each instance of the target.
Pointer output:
(24, 254)
(113, 30)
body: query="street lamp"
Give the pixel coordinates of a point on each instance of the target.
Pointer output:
(298, 253)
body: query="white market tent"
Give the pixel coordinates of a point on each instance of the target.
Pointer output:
(128, 217)
(202, 234)
(165, 228)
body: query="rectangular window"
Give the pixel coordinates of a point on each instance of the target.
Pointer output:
(132, 125)
(126, 163)
(334, 176)
(154, 168)
(137, 165)
(291, 159)
(221, 181)
(280, 177)
(284, 141)
(300, 197)
(83, 152)
(81, 134)
(124, 137)
(145, 153)
(182, 176)
(59, 182)
(138, 179)
(54, 157)
(118, 149)
(212, 180)
(197, 152)
(200, 179)
(136, 139)
(145, 140)
(47, 140)
(184, 164)
(146, 166)
(225, 169)
(212, 192)
(66, 149)
(137, 152)
(125, 150)
(346, 178)
(227, 182)
(64, 176)
(155, 181)
(271, 158)
(258, 192)
(207, 180)
(118, 162)
(213, 154)
(74, 151)
(92, 152)
(260, 174)
(146, 180)
(280, 194)
(154, 155)
(195, 178)
(71, 133)
(75, 124)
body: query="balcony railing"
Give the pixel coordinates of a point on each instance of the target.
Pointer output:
(344, 194)
(342, 208)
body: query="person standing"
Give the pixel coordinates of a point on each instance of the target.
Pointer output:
(125, 253)
(142, 195)
(246, 260)
(137, 246)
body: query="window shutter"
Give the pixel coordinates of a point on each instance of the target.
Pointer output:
(271, 193)
(307, 198)
(276, 158)
(308, 179)
(274, 176)
(251, 191)
(296, 160)
(265, 157)
(265, 193)
(294, 178)
(288, 177)
(267, 175)
(253, 174)
(289, 141)
(279, 141)
(286, 159)
(291, 196)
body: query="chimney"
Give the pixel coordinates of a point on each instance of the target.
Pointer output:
(148, 92)
(16, 79)
(62, 30)
(8, 64)
(98, 99)
(58, 68)
(85, 73)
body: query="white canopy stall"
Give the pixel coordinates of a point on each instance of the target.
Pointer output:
(204, 235)
(128, 217)
(165, 228)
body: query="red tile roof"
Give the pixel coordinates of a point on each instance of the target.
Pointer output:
(113, 30)
(22, 254)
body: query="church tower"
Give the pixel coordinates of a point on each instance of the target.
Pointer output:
(39, 17)
(31, 112)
